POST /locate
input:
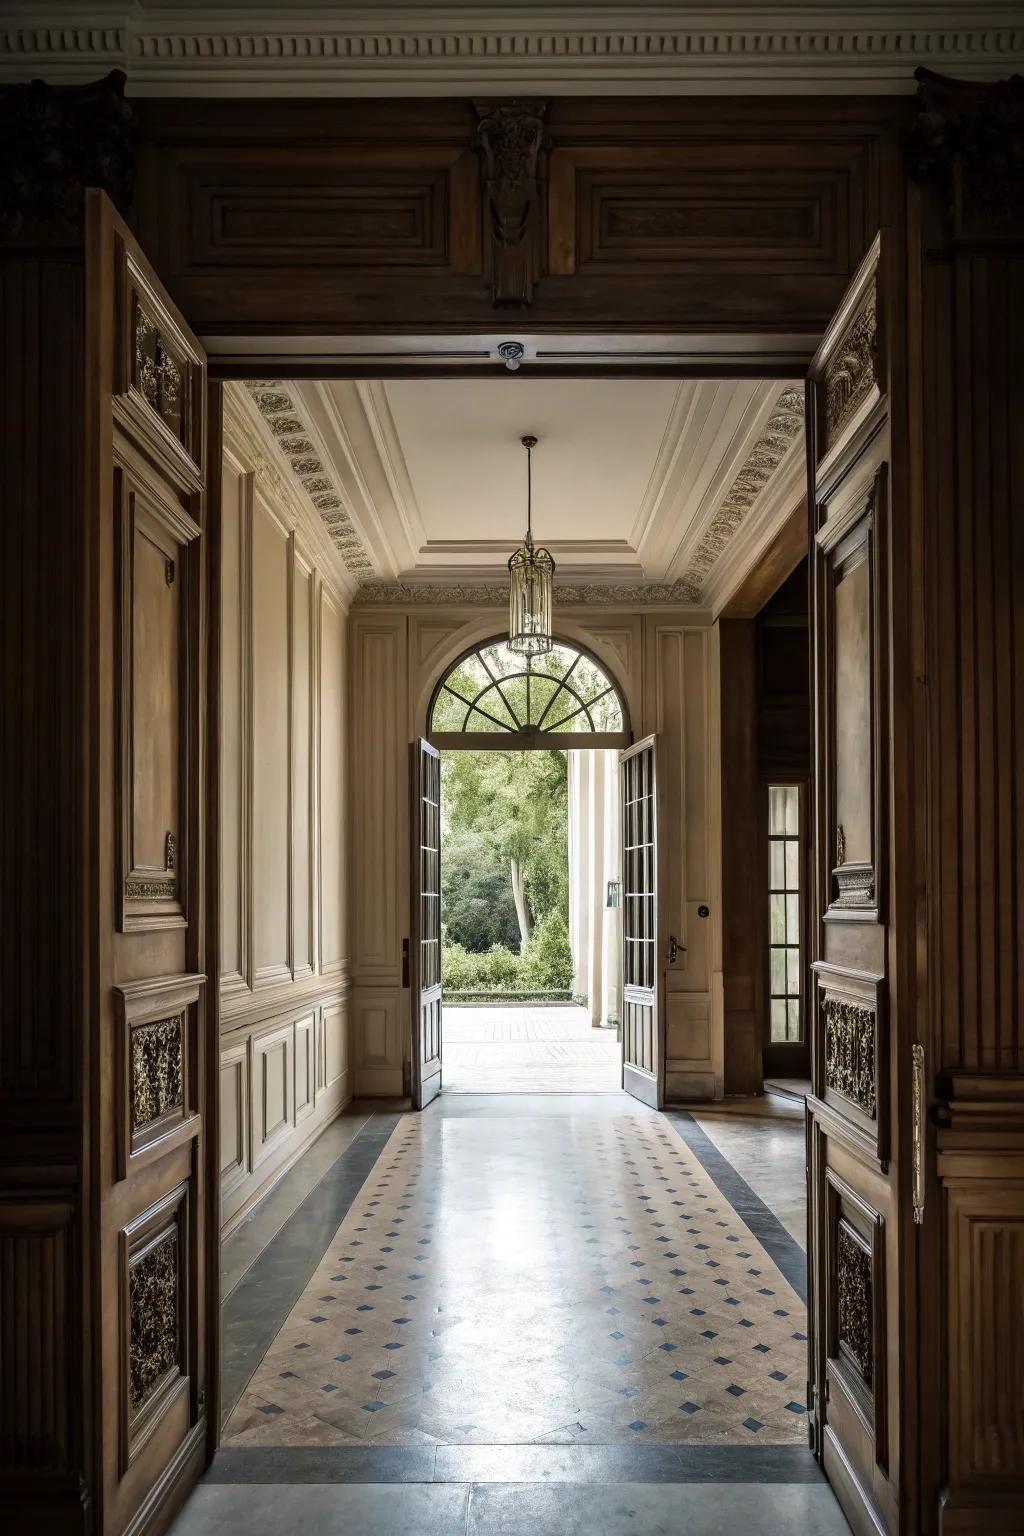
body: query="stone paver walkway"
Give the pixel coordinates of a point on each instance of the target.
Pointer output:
(528, 1049)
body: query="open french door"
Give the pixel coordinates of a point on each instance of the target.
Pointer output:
(642, 1054)
(144, 671)
(426, 923)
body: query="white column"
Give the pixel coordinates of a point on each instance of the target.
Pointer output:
(594, 855)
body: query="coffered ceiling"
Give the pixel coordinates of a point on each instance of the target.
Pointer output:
(643, 489)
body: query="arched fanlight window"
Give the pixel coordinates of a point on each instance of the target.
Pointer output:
(492, 698)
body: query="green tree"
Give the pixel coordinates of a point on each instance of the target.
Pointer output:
(507, 813)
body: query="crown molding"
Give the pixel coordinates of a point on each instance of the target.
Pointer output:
(494, 594)
(247, 438)
(302, 459)
(781, 430)
(460, 48)
(766, 516)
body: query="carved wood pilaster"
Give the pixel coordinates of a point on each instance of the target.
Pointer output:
(968, 139)
(510, 136)
(58, 140)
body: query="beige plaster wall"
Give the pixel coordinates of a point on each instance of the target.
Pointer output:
(660, 660)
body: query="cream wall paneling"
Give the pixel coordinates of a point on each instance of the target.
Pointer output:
(304, 758)
(272, 746)
(381, 1043)
(380, 792)
(285, 1063)
(283, 822)
(661, 662)
(330, 756)
(282, 1081)
(236, 830)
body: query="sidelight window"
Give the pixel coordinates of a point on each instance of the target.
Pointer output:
(785, 938)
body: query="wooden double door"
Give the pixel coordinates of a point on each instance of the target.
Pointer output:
(154, 1195)
(865, 1114)
(149, 1206)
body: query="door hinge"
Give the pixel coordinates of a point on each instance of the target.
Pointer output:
(169, 572)
(405, 962)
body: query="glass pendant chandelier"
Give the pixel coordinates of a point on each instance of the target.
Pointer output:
(530, 571)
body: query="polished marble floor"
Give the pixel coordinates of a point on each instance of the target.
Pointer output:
(513, 1509)
(500, 1244)
(526, 1276)
(528, 1049)
(762, 1140)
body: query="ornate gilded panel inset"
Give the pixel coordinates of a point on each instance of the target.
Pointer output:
(150, 890)
(850, 1052)
(153, 1319)
(160, 373)
(851, 370)
(854, 1317)
(156, 1070)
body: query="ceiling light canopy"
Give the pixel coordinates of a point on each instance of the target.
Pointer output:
(531, 573)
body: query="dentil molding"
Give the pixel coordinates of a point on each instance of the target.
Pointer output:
(563, 48)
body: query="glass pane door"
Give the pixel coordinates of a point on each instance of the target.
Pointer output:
(785, 939)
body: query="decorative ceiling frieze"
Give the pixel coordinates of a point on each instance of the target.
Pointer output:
(422, 49)
(783, 427)
(293, 439)
(494, 594)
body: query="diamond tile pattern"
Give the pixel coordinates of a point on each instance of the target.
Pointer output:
(554, 1260)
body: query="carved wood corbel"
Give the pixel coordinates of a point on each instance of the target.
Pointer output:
(967, 138)
(57, 141)
(511, 140)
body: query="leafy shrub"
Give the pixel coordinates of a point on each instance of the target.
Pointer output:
(545, 967)
(548, 958)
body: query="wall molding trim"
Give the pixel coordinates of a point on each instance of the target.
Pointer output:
(248, 431)
(429, 49)
(494, 594)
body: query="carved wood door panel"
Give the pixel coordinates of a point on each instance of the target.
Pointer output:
(859, 1320)
(426, 923)
(642, 1053)
(146, 458)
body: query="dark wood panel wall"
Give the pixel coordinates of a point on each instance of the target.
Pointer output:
(601, 215)
(967, 319)
(743, 927)
(709, 217)
(43, 1078)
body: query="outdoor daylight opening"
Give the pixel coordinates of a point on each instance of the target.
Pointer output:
(530, 873)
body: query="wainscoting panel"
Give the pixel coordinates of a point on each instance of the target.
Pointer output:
(38, 1266)
(285, 1070)
(273, 1099)
(381, 1022)
(281, 1084)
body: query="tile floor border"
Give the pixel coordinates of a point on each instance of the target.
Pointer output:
(786, 1254)
(257, 1308)
(512, 1509)
(515, 1464)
